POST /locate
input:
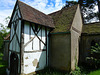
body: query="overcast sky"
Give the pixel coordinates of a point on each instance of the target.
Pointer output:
(46, 6)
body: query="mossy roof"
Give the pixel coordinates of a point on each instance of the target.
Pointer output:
(63, 19)
(91, 28)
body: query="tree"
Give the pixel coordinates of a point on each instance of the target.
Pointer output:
(88, 8)
(4, 31)
(70, 3)
(95, 55)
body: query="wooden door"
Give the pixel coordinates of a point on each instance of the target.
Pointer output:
(13, 64)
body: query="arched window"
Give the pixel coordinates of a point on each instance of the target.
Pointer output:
(93, 43)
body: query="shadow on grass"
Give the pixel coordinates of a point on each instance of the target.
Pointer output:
(50, 71)
(87, 69)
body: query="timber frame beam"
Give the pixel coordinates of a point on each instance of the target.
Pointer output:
(36, 35)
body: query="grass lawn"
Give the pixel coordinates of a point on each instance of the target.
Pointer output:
(3, 65)
(97, 72)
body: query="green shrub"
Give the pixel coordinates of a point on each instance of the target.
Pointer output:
(95, 56)
(77, 71)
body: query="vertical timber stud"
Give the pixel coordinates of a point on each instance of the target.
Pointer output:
(41, 37)
(22, 49)
(49, 49)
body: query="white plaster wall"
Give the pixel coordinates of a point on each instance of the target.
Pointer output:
(43, 39)
(40, 56)
(18, 32)
(26, 32)
(35, 40)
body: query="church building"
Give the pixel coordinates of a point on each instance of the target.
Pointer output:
(58, 40)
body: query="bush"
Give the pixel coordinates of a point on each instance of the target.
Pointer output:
(95, 56)
(77, 71)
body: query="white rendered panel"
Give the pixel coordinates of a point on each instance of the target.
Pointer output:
(19, 14)
(17, 7)
(26, 36)
(14, 43)
(36, 44)
(43, 39)
(32, 35)
(19, 34)
(17, 31)
(39, 35)
(14, 17)
(30, 61)
(36, 41)
(26, 33)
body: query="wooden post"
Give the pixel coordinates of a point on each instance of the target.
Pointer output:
(22, 49)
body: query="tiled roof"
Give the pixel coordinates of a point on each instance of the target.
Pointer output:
(63, 19)
(30, 14)
(91, 28)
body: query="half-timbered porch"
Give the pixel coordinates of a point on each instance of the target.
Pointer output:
(28, 48)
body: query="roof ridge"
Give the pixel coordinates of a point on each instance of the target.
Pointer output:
(62, 9)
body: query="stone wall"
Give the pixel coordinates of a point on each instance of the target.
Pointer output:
(60, 51)
(85, 45)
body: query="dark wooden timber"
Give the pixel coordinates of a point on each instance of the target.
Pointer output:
(39, 29)
(37, 35)
(34, 51)
(22, 48)
(29, 41)
(32, 44)
(16, 20)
